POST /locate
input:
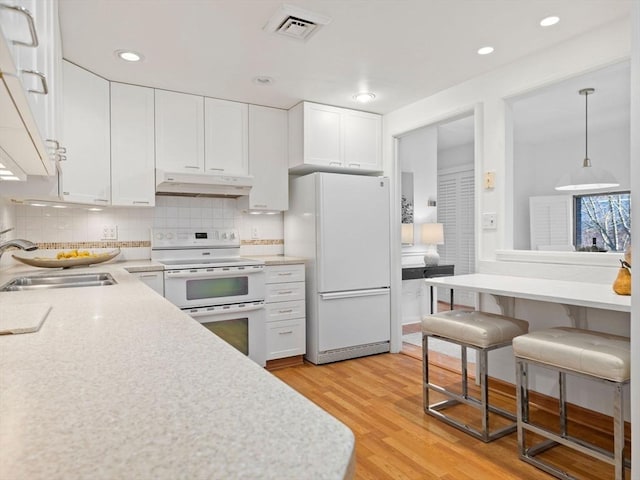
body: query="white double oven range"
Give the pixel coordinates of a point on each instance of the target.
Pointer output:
(205, 276)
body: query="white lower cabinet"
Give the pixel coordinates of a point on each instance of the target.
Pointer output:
(285, 311)
(154, 280)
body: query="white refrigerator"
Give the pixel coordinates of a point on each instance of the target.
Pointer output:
(340, 224)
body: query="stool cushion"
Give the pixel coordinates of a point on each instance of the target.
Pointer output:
(584, 351)
(475, 328)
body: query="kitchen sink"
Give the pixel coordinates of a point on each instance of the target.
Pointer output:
(44, 282)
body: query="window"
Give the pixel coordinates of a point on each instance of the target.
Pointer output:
(603, 222)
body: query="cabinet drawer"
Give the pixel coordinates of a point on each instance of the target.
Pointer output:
(284, 292)
(285, 310)
(284, 273)
(285, 338)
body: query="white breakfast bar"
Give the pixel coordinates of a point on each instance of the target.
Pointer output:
(575, 297)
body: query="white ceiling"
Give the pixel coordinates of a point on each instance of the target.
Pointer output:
(402, 50)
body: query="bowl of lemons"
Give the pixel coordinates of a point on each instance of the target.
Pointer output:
(69, 258)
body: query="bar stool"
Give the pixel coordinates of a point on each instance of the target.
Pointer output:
(469, 329)
(584, 353)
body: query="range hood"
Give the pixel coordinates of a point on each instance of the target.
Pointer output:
(202, 185)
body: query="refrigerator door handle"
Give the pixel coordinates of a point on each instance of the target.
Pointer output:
(354, 293)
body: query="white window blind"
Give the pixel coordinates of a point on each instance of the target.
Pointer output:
(551, 222)
(456, 211)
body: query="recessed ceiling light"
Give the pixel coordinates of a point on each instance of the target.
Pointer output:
(6, 172)
(37, 204)
(548, 21)
(94, 209)
(11, 178)
(264, 81)
(485, 50)
(364, 97)
(58, 206)
(129, 55)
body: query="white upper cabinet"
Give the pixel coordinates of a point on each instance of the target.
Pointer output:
(132, 145)
(179, 121)
(267, 160)
(324, 138)
(30, 58)
(226, 137)
(85, 176)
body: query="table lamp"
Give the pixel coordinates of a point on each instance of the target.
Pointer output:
(407, 234)
(432, 234)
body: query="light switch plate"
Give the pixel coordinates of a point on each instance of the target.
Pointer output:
(489, 221)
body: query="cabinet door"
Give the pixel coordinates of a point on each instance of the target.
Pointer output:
(226, 137)
(154, 280)
(132, 145)
(179, 132)
(86, 176)
(362, 140)
(268, 158)
(323, 135)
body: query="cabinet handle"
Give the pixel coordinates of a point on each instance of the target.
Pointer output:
(140, 202)
(338, 164)
(43, 81)
(260, 205)
(286, 311)
(285, 292)
(100, 200)
(288, 332)
(285, 274)
(191, 166)
(216, 169)
(56, 144)
(30, 22)
(354, 165)
(153, 275)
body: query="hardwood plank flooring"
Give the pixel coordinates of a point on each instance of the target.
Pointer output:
(380, 399)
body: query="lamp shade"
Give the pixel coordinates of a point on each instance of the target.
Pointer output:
(586, 177)
(432, 234)
(407, 233)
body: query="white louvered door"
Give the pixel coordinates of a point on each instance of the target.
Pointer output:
(551, 222)
(456, 211)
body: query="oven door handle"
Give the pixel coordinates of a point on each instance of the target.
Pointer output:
(206, 273)
(202, 312)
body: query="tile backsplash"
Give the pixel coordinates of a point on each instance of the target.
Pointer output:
(260, 234)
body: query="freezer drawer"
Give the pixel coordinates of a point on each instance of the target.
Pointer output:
(348, 319)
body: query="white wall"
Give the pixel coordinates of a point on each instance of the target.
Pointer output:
(488, 96)
(7, 219)
(537, 168)
(418, 154)
(455, 157)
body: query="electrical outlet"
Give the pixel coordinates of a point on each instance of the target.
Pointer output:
(110, 232)
(489, 221)
(255, 235)
(489, 180)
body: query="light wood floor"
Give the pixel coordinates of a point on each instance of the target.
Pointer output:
(380, 399)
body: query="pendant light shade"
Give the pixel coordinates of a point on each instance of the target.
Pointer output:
(586, 177)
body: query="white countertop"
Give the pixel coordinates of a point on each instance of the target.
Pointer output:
(581, 294)
(119, 383)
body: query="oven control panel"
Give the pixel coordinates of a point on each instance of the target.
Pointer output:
(194, 238)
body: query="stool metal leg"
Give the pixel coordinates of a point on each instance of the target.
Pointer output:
(562, 400)
(463, 369)
(522, 403)
(484, 392)
(425, 372)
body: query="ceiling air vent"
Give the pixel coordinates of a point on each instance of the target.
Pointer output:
(295, 22)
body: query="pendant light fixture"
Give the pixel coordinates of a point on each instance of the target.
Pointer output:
(586, 177)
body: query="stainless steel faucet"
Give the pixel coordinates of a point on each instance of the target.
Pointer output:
(16, 243)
